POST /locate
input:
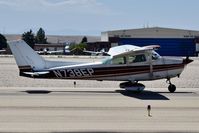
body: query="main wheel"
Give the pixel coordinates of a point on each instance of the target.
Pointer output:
(172, 88)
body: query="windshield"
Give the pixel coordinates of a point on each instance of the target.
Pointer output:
(107, 60)
(155, 55)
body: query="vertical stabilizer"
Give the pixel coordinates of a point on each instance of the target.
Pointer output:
(26, 58)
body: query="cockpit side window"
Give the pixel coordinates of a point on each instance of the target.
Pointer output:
(119, 60)
(137, 58)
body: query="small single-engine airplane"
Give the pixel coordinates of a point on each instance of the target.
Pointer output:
(46, 51)
(126, 63)
(94, 53)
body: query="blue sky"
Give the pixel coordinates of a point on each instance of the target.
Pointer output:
(90, 17)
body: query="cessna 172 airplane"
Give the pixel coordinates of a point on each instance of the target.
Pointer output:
(46, 51)
(126, 63)
(94, 53)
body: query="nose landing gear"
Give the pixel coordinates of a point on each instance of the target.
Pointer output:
(171, 86)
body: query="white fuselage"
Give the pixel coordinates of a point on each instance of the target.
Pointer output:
(150, 70)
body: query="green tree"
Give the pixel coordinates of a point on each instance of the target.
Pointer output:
(29, 38)
(77, 49)
(84, 40)
(3, 42)
(41, 37)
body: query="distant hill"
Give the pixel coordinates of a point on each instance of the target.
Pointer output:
(58, 39)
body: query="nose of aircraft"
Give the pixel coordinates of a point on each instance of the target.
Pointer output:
(187, 60)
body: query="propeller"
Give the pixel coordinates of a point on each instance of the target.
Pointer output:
(187, 60)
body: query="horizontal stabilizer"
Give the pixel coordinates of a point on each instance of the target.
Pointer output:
(36, 73)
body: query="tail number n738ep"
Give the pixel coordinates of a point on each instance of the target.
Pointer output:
(81, 72)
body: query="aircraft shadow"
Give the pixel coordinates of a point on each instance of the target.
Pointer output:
(37, 91)
(47, 92)
(144, 95)
(182, 92)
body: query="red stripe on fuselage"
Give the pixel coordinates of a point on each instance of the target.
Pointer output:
(126, 71)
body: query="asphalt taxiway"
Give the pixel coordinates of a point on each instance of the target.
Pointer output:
(31, 105)
(28, 109)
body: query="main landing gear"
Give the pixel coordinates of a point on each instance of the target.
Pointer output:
(138, 87)
(132, 86)
(171, 86)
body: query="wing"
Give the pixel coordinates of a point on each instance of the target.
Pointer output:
(152, 47)
(130, 49)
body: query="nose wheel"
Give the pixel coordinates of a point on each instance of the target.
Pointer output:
(171, 86)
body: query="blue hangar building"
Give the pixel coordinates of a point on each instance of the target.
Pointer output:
(173, 42)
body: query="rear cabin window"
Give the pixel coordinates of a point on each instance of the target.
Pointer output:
(119, 60)
(137, 58)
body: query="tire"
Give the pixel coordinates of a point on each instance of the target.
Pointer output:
(172, 88)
